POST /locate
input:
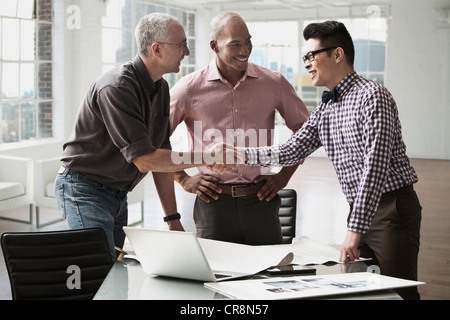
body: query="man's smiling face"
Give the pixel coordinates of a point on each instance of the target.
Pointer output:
(234, 47)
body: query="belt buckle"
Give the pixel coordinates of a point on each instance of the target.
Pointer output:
(234, 188)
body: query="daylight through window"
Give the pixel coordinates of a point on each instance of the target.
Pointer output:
(25, 70)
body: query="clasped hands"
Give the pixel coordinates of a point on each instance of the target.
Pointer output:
(223, 157)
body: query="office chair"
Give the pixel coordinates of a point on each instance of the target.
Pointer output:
(16, 186)
(69, 264)
(287, 214)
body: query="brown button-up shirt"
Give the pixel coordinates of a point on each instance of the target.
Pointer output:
(124, 115)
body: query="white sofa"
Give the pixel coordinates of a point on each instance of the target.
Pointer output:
(44, 190)
(16, 185)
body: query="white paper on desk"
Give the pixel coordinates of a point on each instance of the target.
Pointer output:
(253, 259)
(235, 257)
(308, 286)
(307, 251)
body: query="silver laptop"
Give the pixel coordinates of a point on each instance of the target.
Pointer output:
(174, 254)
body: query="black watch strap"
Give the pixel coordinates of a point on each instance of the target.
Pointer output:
(172, 217)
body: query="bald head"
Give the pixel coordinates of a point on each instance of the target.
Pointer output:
(231, 42)
(220, 22)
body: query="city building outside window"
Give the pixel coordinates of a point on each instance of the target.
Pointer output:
(26, 101)
(276, 46)
(369, 39)
(119, 44)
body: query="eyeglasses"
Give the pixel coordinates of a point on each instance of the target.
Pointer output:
(183, 45)
(310, 56)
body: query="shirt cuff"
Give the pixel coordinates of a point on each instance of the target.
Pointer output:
(252, 156)
(358, 224)
(138, 148)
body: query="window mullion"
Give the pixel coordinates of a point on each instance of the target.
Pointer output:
(36, 76)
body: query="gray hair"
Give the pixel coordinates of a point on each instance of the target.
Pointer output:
(152, 28)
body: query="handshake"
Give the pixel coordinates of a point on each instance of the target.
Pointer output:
(223, 157)
(219, 158)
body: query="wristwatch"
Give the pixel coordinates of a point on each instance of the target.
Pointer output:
(172, 217)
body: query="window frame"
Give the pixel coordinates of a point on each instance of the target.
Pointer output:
(188, 64)
(42, 100)
(315, 99)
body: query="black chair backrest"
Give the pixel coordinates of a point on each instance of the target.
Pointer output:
(288, 213)
(69, 264)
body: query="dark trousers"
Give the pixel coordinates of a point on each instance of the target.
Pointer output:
(245, 220)
(393, 239)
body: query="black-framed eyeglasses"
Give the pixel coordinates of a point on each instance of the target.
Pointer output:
(310, 56)
(183, 45)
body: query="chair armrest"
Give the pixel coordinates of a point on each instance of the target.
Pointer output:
(18, 169)
(45, 172)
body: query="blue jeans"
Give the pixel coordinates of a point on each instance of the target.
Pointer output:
(85, 203)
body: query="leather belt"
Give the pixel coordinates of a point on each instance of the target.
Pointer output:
(239, 190)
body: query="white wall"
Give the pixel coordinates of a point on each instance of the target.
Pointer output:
(418, 76)
(78, 59)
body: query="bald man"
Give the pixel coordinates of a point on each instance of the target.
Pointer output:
(235, 100)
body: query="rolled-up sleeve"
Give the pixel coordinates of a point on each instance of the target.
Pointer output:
(124, 123)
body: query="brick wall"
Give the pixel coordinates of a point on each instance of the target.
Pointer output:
(45, 68)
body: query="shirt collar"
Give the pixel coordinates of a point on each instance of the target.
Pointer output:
(213, 72)
(346, 83)
(151, 87)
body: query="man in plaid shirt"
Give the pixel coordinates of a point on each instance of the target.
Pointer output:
(357, 124)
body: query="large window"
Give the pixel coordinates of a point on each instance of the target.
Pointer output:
(275, 47)
(25, 70)
(119, 44)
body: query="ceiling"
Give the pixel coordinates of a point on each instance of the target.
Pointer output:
(287, 9)
(283, 4)
(299, 4)
(266, 10)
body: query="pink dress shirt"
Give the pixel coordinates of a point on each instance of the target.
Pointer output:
(215, 111)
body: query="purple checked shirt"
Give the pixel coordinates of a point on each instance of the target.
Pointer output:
(361, 134)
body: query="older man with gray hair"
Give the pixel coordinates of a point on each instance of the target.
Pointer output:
(122, 133)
